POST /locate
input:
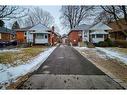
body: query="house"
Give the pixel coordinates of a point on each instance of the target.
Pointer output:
(88, 33)
(38, 34)
(21, 34)
(118, 33)
(99, 32)
(64, 39)
(6, 34)
(54, 37)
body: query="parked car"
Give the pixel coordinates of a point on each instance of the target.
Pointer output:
(8, 43)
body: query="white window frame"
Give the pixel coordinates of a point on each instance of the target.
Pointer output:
(0, 36)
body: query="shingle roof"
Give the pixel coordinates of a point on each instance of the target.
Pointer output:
(6, 30)
(100, 26)
(39, 27)
(82, 27)
(23, 29)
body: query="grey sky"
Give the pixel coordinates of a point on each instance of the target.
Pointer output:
(55, 12)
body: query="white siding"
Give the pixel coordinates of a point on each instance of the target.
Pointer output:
(85, 36)
(29, 37)
(96, 40)
(41, 39)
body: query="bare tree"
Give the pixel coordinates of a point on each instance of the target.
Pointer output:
(11, 12)
(37, 15)
(117, 13)
(72, 16)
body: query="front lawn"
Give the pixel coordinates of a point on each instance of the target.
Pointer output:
(19, 56)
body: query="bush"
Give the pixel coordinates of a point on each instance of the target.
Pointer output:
(103, 44)
(121, 43)
(109, 42)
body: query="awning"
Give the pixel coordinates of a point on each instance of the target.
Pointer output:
(99, 32)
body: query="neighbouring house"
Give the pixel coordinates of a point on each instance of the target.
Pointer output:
(88, 33)
(53, 37)
(21, 34)
(6, 34)
(64, 39)
(38, 34)
(118, 33)
(99, 32)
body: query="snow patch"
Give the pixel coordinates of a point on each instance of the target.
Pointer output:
(10, 75)
(10, 50)
(81, 48)
(113, 54)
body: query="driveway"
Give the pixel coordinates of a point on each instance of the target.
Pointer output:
(67, 69)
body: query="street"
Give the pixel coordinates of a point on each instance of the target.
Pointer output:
(66, 68)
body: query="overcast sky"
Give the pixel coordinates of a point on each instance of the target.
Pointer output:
(55, 12)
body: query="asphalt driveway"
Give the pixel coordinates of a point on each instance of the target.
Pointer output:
(67, 69)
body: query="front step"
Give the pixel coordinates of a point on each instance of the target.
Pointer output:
(50, 81)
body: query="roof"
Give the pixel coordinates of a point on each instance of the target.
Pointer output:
(57, 34)
(100, 26)
(39, 27)
(82, 27)
(6, 30)
(23, 29)
(38, 32)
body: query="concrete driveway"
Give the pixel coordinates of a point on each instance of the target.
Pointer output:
(67, 69)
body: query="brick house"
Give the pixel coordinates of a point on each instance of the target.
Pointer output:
(88, 33)
(116, 33)
(54, 37)
(21, 34)
(37, 34)
(6, 34)
(75, 37)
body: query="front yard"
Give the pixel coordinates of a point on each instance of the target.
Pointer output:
(18, 56)
(114, 60)
(15, 63)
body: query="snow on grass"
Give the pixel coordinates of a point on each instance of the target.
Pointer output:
(81, 48)
(10, 50)
(16, 58)
(11, 74)
(113, 54)
(107, 53)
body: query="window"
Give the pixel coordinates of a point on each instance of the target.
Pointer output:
(39, 36)
(99, 35)
(46, 37)
(25, 33)
(93, 36)
(85, 34)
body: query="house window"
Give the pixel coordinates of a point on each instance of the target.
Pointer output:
(93, 36)
(46, 37)
(85, 34)
(39, 36)
(99, 35)
(25, 33)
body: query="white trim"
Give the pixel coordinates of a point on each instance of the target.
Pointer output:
(0, 36)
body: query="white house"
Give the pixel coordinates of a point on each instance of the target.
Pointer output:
(38, 34)
(94, 33)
